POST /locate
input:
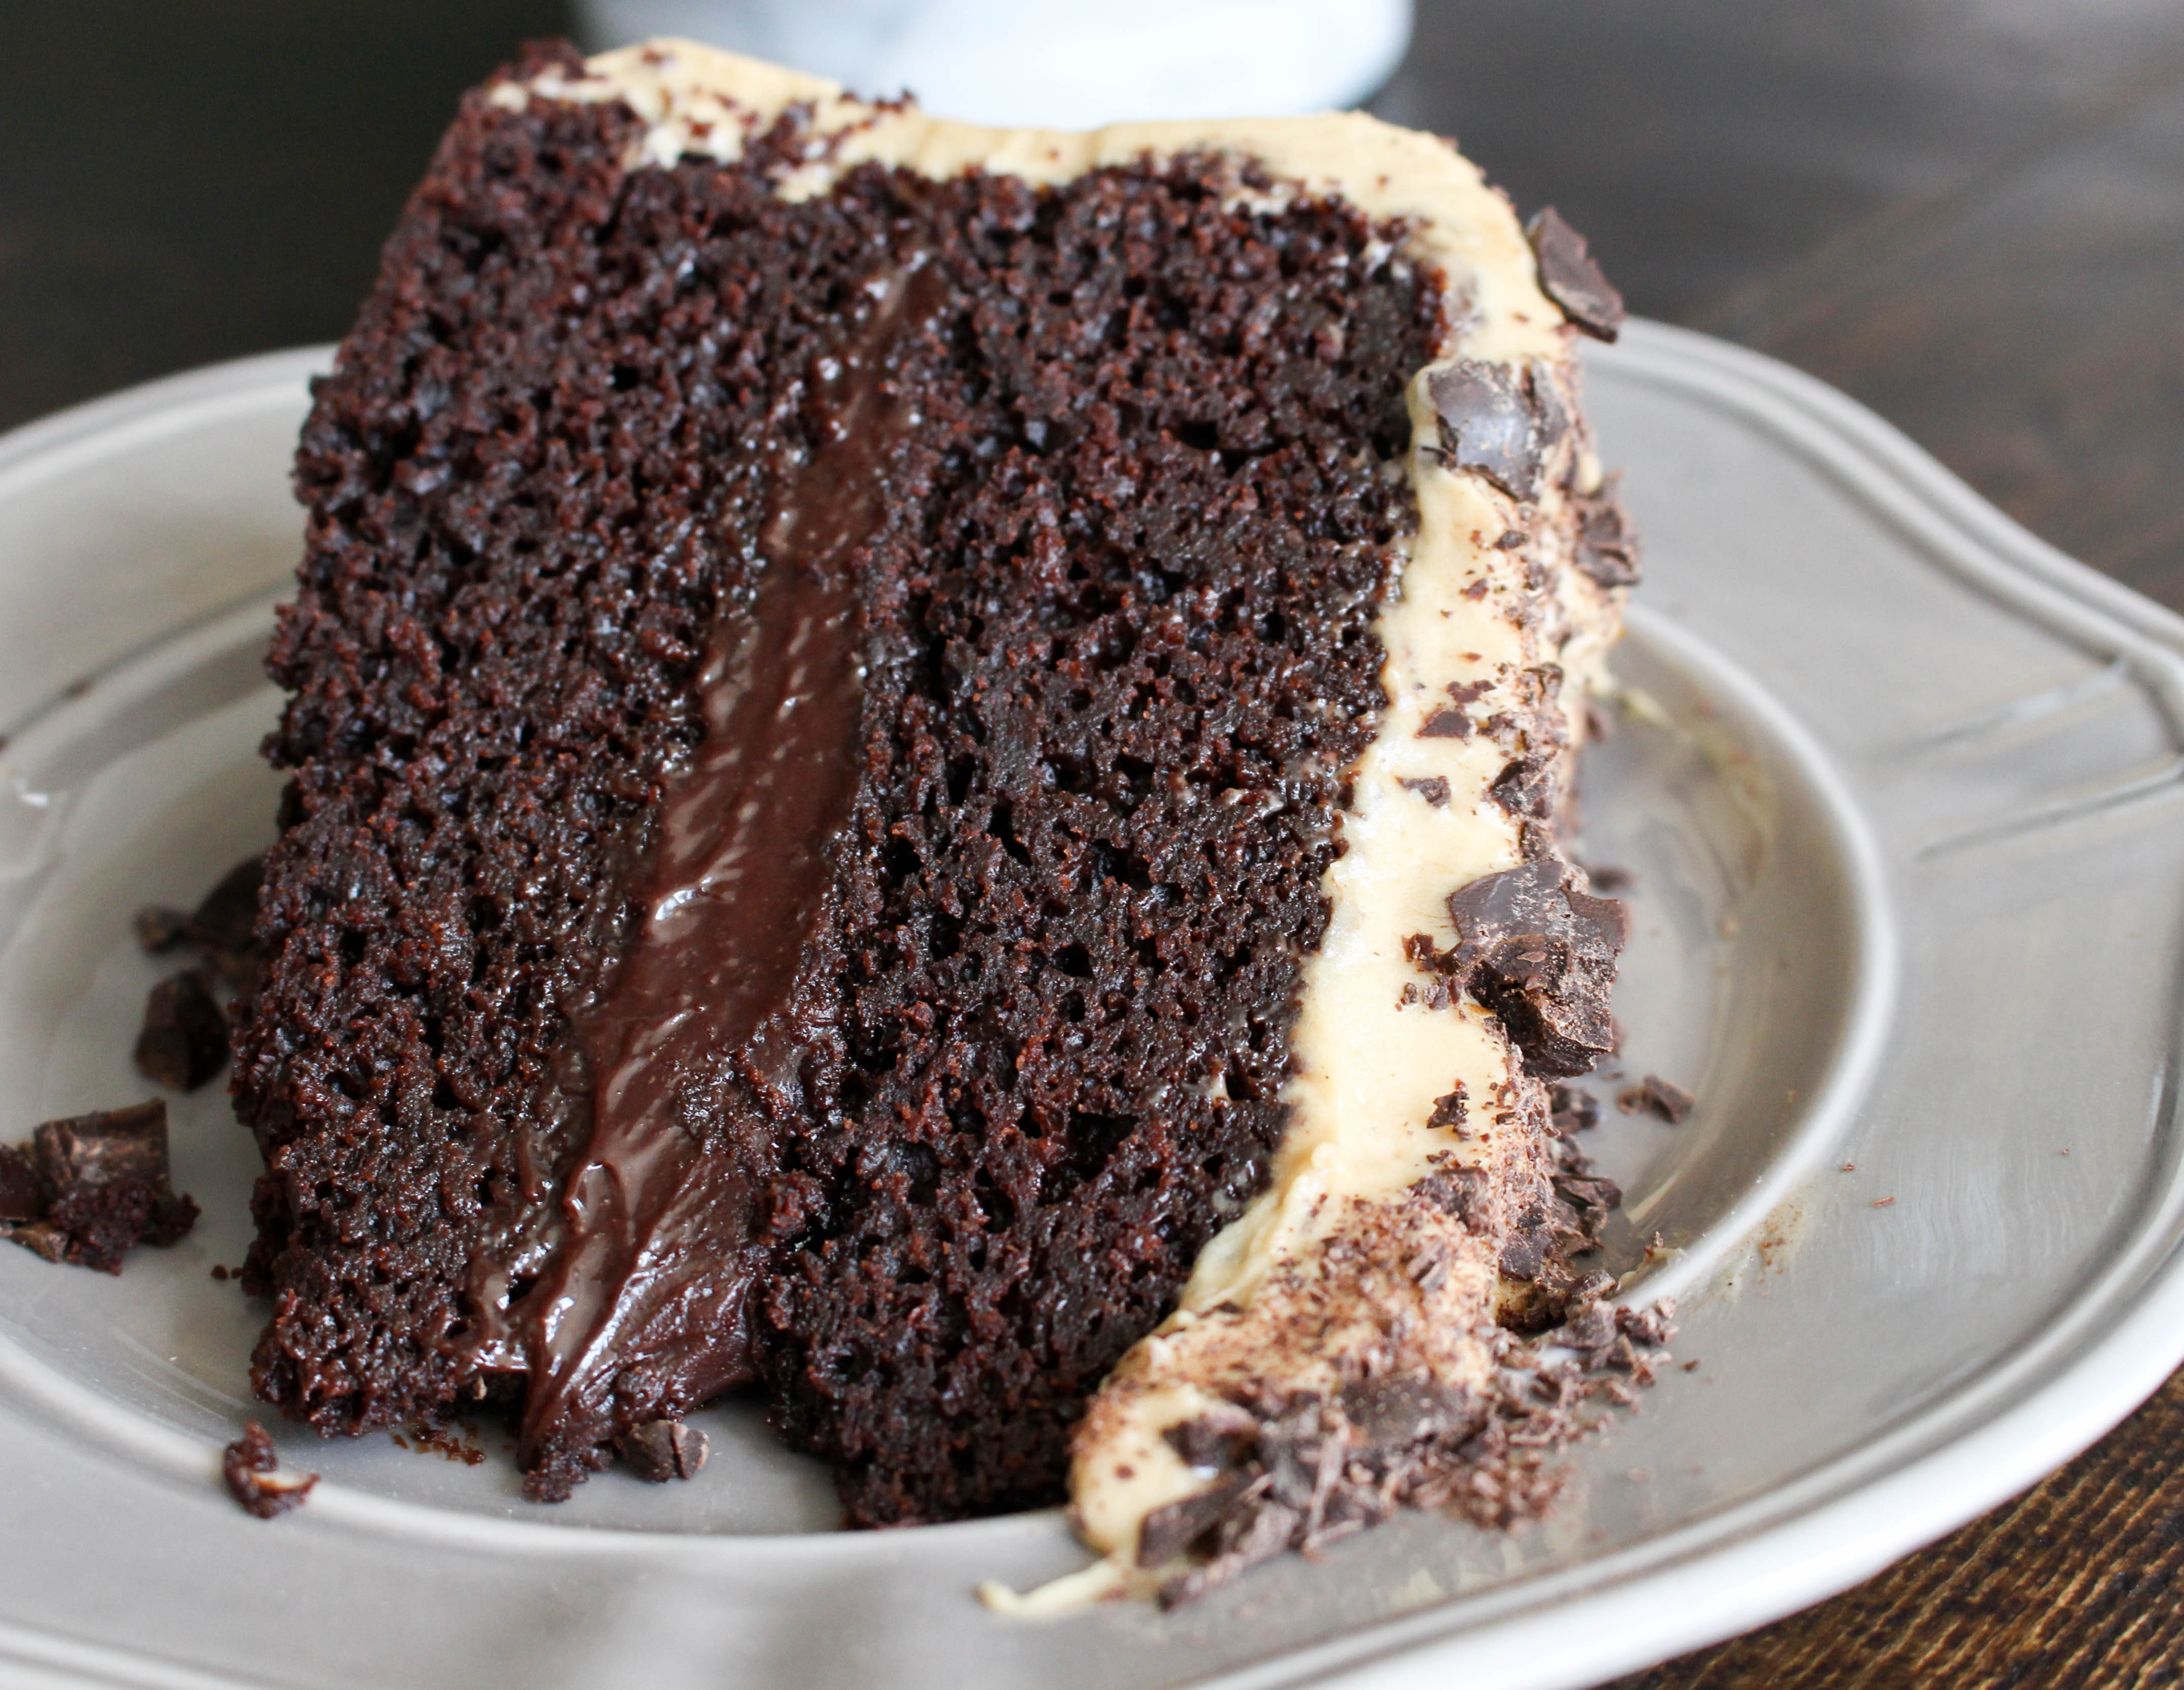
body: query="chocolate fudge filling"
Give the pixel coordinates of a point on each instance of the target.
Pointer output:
(978, 1079)
(663, 1240)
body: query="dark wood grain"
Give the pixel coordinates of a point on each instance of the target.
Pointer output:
(1969, 214)
(2075, 1583)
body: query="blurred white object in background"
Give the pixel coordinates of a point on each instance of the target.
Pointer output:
(1061, 64)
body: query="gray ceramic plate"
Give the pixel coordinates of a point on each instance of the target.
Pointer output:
(1903, 794)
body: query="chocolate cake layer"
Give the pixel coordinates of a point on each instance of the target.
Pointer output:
(1100, 485)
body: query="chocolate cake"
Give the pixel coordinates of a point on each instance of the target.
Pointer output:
(916, 750)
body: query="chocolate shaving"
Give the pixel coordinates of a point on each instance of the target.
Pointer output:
(1572, 277)
(1322, 1469)
(1606, 546)
(1445, 723)
(1433, 788)
(1540, 954)
(663, 1449)
(1655, 1096)
(252, 1472)
(1449, 1110)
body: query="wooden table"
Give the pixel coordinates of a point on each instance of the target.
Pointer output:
(1969, 214)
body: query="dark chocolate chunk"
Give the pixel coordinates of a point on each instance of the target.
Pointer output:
(1449, 1110)
(1389, 1413)
(1526, 786)
(21, 1199)
(1219, 1438)
(663, 1449)
(1256, 1535)
(1573, 1110)
(1445, 723)
(1460, 1192)
(1469, 692)
(253, 1479)
(1487, 424)
(1512, 539)
(104, 1180)
(1607, 546)
(1540, 954)
(183, 1041)
(1433, 788)
(1530, 1249)
(1588, 1326)
(1655, 1096)
(1171, 1530)
(1572, 277)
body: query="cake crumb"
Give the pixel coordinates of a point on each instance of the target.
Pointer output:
(660, 1450)
(251, 1470)
(1655, 1096)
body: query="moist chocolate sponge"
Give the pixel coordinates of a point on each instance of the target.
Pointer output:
(1115, 622)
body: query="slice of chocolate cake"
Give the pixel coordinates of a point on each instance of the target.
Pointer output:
(907, 740)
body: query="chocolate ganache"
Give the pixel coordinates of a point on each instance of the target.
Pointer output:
(664, 1236)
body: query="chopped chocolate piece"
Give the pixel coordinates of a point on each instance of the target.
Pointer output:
(1526, 787)
(1540, 954)
(1528, 1248)
(1588, 1326)
(1460, 1192)
(1389, 1413)
(663, 1449)
(251, 1468)
(1574, 1110)
(21, 1199)
(1487, 424)
(1510, 540)
(104, 1180)
(1445, 723)
(1254, 1536)
(1655, 1096)
(1171, 1530)
(1572, 277)
(1589, 1191)
(183, 1041)
(160, 928)
(1219, 1438)
(1449, 1110)
(1607, 548)
(1433, 788)
(1469, 692)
